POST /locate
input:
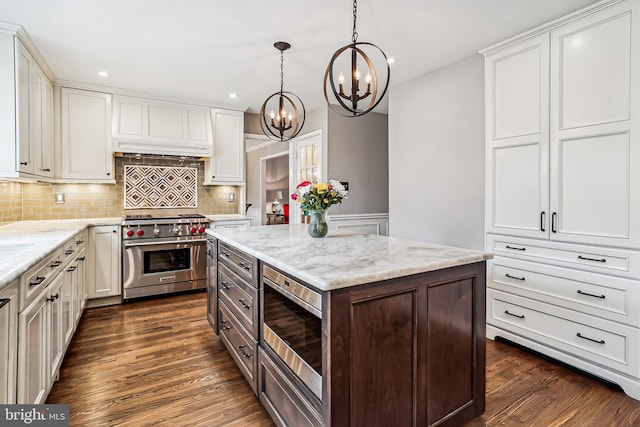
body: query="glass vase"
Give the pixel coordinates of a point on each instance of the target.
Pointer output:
(318, 226)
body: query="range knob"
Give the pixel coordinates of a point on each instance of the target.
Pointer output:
(140, 232)
(194, 230)
(156, 231)
(176, 230)
(201, 230)
(129, 232)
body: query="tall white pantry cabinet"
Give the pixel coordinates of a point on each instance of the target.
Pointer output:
(562, 180)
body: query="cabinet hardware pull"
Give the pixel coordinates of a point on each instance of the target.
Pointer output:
(72, 268)
(553, 222)
(514, 315)
(39, 279)
(79, 242)
(45, 169)
(224, 328)
(514, 277)
(53, 297)
(225, 285)
(515, 248)
(68, 252)
(55, 264)
(24, 163)
(4, 301)
(108, 173)
(82, 258)
(286, 283)
(241, 348)
(591, 259)
(591, 295)
(579, 335)
(542, 218)
(244, 304)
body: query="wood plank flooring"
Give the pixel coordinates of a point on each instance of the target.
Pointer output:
(157, 363)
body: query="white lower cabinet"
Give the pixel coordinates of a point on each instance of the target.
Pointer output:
(9, 339)
(33, 352)
(56, 333)
(103, 274)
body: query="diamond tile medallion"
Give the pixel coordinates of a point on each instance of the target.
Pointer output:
(160, 187)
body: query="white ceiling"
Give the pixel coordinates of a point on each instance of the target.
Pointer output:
(204, 49)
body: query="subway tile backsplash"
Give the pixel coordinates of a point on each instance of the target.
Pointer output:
(37, 201)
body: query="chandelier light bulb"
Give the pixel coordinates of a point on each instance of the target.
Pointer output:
(341, 78)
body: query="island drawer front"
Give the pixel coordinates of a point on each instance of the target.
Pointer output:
(80, 239)
(242, 347)
(239, 297)
(245, 265)
(36, 279)
(281, 398)
(608, 297)
(618, 262)
(606, 343)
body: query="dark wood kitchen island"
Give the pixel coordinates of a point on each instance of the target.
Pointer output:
(354, 329)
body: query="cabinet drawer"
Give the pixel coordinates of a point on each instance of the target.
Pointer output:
(282, 399)
(242, 347)
(599, 260)
(36, 279)
(239, 297)
(606, 343)
(245, 265)
(80, 239)
(608, 297)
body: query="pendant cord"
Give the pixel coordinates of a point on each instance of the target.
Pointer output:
(281, 70)
(354, 38)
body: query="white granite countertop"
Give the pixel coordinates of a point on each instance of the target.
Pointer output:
(343, 258)
(23, 244)
(228, 217)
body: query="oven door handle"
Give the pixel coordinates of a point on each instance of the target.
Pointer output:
(156, 243)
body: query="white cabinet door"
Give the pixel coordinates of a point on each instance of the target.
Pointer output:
(595, 152)
(226, 165)
(517, 139)
(103, 275)
(78, 273)
(85, 149)
(9, 340)
(33, 352)
(24, 138)
(43, 126)
(55, 332)
(66, 303)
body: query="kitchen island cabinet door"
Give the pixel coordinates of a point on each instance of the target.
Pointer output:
(408, 351)
(9, 340)
(85, 149)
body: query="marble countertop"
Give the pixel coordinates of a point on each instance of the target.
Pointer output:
(23, 244)
(228, 217)
(344, 257)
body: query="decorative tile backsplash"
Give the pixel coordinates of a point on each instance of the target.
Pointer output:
(160, 187)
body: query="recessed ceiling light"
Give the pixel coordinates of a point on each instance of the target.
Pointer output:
(103, 73)
(391, 60)
(233, 95)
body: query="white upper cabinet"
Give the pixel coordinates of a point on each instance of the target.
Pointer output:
(563, 161)
(85, 148)
(595, 150)
(160, 127)
(517, 135)
(226, 166)
(26, 113)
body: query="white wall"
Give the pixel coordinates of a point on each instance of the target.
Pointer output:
(436, 156)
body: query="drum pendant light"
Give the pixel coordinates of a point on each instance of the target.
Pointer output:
(352, 102)
(286, 111)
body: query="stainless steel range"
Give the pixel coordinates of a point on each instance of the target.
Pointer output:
(163, 255)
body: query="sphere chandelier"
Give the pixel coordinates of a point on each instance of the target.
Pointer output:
(288, 118)
(351, 102)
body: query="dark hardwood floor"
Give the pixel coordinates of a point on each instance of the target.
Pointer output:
(157, 363)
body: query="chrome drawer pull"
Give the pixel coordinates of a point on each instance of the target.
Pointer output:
(591, 259)
(244, 304)
(225, 286)
(514, 277)
(515, 248)
(245, 266)
(589, 339)
(39, 279)
(591, 295)
(514, 315)
(225, 328)
(241, 347)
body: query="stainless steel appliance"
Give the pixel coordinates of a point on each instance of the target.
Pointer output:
(163, 255)
(292, 326)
